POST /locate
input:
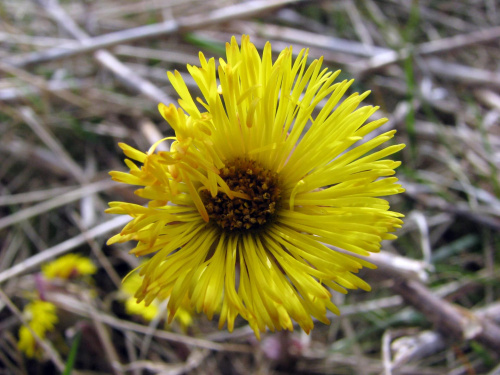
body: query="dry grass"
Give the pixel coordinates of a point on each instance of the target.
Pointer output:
(80, 76)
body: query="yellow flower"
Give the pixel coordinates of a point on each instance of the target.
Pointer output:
(258, 190)
(130, 286)
(41, 317)
(68, 266)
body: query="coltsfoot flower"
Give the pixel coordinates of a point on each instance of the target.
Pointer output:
(260, 185)
(131, 284)
(69, 266)
(41, 317)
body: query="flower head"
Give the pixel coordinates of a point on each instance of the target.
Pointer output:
(69, 266)
(259, 188)
(129, 287)
(41, 317)
(148, 312)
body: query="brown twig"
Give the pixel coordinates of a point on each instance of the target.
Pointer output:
(455, 323)
(183, 24)
(433, 47)
(103, 57)
(61, 248)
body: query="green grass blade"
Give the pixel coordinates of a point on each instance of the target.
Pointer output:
(72, 354)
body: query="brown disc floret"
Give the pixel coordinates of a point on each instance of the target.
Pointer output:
(257, 183)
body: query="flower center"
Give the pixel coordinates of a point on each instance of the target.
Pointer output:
(261, 187)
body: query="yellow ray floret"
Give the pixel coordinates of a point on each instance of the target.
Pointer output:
(269, 172)
(148, 312)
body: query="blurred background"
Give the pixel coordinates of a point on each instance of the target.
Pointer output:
(77, 77)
